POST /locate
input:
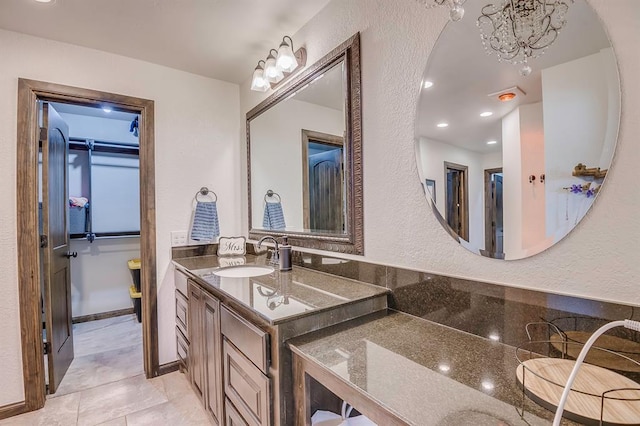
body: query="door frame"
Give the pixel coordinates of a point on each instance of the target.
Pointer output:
(489, 235)
(324, 138)
(29, 92)
(464, 216)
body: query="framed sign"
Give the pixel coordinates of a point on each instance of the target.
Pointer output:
(232, 246)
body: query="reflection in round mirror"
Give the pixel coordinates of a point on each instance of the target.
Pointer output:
(512, 162)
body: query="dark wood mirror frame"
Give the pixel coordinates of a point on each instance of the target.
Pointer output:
(353, 241)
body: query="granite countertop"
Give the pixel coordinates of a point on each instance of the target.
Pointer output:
(279, 296)
(426, 373)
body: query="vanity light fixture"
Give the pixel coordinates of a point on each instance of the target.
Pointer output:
(286, 59)
(272, 73)
(486, 114)
(519, 30)
(279, 65)
(258, 82)
(442, 125)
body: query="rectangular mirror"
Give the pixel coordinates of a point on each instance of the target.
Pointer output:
(304, 151)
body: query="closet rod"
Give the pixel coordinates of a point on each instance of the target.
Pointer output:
(103, 146)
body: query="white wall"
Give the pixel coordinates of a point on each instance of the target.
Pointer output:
(600, 257)
(433, 156)
(197, 130)
(276, 155)
(100, 278)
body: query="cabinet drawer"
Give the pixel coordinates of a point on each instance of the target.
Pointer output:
(182, 318)
(246, 387)
(252, 342)
(231, 415)
(182, 347)
(180, 280)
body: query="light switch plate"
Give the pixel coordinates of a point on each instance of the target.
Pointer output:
(178, 238)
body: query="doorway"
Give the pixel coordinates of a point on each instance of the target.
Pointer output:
(324, 206)
(493, 216)
(457, 198)
(101, 201)
(30, 136)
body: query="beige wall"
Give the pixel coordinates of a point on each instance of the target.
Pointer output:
(600, 259)
(196, 130)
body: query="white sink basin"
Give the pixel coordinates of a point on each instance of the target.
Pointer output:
(244, 271)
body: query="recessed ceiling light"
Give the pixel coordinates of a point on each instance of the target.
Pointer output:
(486, 114)
(492, 142)
(428, 84)
(442, 125)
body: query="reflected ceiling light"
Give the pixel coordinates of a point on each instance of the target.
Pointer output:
(45, 1)
(506, 97)
(492, 143)
(258, 82)
(456, 11)
(486, 114)
(519, 30)
(442, 125)
(488, 385)
(445, 368)
(272, 73)
(279, 65)
(107, 109)
(427, 84)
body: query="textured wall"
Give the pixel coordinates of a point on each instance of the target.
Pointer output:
(599, 259)
(196, 130)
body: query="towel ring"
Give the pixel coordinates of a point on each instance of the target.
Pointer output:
(270, 194)
(204, 191)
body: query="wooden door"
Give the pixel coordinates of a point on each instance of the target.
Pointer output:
(195, 339)
(55, 244)
(457, 199)
(212, 357)
(325, 191)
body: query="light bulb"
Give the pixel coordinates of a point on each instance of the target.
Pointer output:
(286, 59)
(456, 13)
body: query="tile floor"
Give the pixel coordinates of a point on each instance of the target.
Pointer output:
(105, 384)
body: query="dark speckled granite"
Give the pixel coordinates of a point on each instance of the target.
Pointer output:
(279, 296)
(427, 373)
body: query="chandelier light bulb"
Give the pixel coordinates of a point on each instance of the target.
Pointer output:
(456, 13)
(271, 71)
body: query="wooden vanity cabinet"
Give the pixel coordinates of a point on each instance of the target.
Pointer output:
(205, 350)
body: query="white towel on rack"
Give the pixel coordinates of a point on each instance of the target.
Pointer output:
(273, 216)
(205, 225)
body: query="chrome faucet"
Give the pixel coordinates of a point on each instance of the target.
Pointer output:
(275, 258)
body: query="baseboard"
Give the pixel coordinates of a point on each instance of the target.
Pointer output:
(102, 315)
(169, 367)
(11, 410)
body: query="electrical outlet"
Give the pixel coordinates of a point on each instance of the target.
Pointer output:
(178, 238)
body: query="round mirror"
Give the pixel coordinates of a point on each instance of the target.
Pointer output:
(517, 123)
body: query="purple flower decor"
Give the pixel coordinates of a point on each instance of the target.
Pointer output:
(576, 189)
(590, 192)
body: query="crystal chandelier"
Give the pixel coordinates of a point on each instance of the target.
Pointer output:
(456, 11)
(519, 30)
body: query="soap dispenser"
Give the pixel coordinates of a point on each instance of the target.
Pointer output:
(285, 255)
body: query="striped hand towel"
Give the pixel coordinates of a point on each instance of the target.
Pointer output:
(273, 216)
(205, 222)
